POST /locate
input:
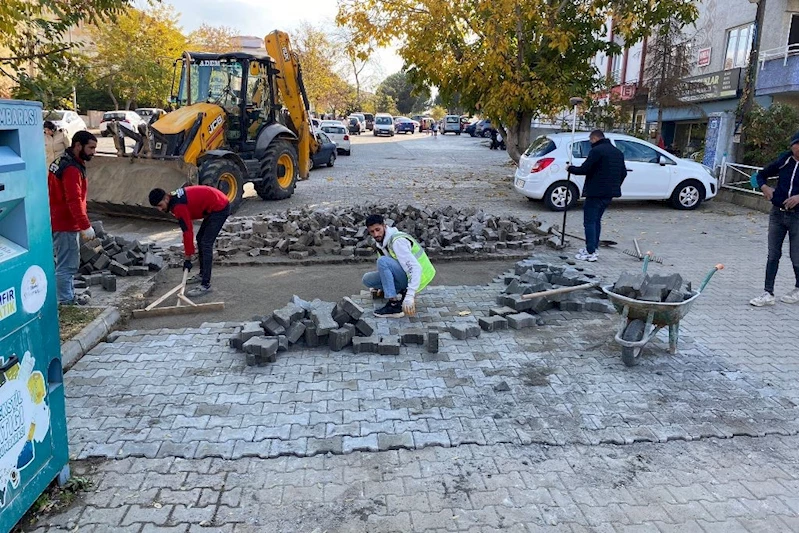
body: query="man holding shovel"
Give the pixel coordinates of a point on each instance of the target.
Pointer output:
(604, 172)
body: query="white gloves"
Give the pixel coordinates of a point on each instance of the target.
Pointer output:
(409, 305)
(87, 234)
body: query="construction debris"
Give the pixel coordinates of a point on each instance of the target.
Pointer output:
(105, 257)
(653, 287)
(302, 233)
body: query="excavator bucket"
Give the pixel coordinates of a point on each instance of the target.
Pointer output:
(121, 185)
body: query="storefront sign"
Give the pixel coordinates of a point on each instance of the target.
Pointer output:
(8, 303)
(712, 86)
(704, 57)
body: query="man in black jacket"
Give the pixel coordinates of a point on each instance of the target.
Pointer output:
(783, 220)
(604, 172)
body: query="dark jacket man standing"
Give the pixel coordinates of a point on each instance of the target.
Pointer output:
(194, 203)
(783, 220)
(69, 221)
(604, 172)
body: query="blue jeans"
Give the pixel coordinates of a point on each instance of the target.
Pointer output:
(67, 261)
(390, 277)
(780, 224)
(206, 236)
(593, 209)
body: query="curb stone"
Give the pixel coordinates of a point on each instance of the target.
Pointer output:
(89, 337)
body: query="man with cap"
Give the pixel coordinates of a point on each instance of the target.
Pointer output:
(190, 203)
(403, 269)
(783, 220)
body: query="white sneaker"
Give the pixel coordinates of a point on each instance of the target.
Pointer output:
(792, 297)
(583, 255)
(763, 300)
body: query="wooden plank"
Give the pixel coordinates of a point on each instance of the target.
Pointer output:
(169, 293)
(175, 310)
(561, 290)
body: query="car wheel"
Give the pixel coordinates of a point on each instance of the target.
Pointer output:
(348, 152)
(561, 195)
(332, 160)
(457, 133)
(374, 133)
(688, 195)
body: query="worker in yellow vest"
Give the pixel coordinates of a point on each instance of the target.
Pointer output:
(403, 269)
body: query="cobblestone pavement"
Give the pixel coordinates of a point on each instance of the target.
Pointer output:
(180, 435)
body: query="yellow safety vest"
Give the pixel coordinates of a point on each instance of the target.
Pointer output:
(428, 270)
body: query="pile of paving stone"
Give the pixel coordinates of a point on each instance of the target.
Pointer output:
(301, 233)
(653, 288)
(319, 323)
(536, 275)
(105, 257)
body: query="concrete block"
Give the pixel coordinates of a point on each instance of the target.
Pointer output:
(364, 328)
(574, 306)
(520, 304)
(271, 326)
(653, 293)
(629, 284)
(464, 331)
(282, 342)
(340, 316)
(153, 261)
(252, 346)
(295, 332)
(109, 282)
(492, 323)
(138, 271)
(412, 336)
(288, 314)
(351, 308)
(389, 345)
(539, 305)
(599, 306)
(101, 262)
(521, 320)
(311, 337)
(338, 338)
(674, 296)
(250, 330)
(117, 269)
(432, 341)
(80, 283)
(123, 259)
(365, 344)
(297, 254)
(501, 311)
(322, 315)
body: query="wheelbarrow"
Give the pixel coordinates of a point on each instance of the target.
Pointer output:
(641, 320)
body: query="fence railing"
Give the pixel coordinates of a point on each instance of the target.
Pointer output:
(737, 176)
(783, 52)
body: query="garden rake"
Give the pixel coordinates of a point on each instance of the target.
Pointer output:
(638, 255)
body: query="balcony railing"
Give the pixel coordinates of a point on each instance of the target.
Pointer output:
(783, 52)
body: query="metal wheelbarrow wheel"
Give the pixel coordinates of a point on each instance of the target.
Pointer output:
(634, 332)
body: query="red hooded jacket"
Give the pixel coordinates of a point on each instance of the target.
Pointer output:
(194, 203)
(66, 183)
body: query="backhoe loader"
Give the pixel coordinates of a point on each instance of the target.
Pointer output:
(239, 117)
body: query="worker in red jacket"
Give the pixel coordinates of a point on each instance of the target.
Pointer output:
(66, 183)
(194, 203)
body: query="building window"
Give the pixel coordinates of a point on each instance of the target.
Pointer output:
(739, 44)
(793, 34)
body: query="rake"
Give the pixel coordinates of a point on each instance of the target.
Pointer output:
(638, 255)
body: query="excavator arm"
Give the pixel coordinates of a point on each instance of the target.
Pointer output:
(292, 92)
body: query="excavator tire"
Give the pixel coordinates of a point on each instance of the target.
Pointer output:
(226, 176)
(279, 170)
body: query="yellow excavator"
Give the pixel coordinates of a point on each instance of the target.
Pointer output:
(239, 118)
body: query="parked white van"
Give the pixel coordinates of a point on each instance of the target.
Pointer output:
(384, 125)
(451, 124)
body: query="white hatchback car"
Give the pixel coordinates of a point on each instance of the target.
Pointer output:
(338, 134)
(652, 173)
(65, 120)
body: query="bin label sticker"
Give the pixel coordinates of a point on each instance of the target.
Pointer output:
(34, 289)
(8, 303)
(24, 421)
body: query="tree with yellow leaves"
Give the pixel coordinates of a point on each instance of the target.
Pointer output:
(513, 60)
(216, 39)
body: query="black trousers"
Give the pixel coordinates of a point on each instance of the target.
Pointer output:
(209, 230)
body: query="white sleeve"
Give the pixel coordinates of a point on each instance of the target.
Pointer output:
(411, 266)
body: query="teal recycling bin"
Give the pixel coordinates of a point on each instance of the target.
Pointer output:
(33, 425)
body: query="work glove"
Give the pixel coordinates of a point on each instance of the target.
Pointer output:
(187, 265)
(87, 234)
(409, 305)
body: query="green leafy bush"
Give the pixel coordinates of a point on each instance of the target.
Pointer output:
(768, 132)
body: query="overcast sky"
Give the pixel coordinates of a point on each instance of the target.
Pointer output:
(259, 17)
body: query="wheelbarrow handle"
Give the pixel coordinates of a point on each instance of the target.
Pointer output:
(710, 275)
(647, 259)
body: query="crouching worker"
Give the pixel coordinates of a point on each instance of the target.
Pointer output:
(403, 269)
(194, 203)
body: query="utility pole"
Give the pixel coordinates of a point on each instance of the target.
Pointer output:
(748, 95)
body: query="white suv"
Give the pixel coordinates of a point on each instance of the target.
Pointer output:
(652, 173)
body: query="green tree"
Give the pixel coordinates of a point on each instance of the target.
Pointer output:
(34, 33)
(770, 131)
(135, 56)
(406, 96)
(515, 59)
(217, 39)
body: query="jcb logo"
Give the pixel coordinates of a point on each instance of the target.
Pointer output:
(215, 124)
